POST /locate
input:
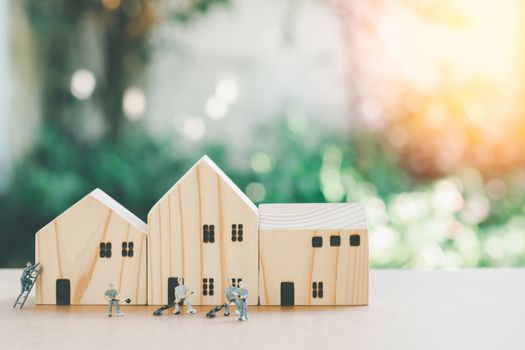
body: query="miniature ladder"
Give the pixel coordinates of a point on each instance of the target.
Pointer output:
(21, 300)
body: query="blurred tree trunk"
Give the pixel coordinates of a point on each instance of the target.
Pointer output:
(115, 84)
(55, 94)
(58, 27)
(124, 27)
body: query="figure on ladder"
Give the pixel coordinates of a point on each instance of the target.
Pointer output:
(27, 281)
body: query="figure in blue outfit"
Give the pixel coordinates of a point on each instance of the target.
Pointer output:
(241, 294)
(230, 298)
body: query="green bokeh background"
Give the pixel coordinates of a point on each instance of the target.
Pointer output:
(441, 220)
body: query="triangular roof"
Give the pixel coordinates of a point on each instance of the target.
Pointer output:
(119, 209)
(116, 207)
(321, 216)
(225, 178)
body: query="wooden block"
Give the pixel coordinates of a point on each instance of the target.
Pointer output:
(293, 271)
(191, 235)
(69, 249)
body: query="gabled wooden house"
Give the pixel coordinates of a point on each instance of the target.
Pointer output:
(92, 244)
(313, 254)
(204, 229)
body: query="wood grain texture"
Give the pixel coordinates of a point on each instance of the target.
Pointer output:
(287, 255)
(203, 196)
(325, 216)
(69, 248)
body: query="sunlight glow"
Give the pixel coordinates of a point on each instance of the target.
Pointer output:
(134, 103)
(256, 191)
(446, 197)
(194, 128)
(218, 104)
(83, 84)
(261, 162)
(443, 79)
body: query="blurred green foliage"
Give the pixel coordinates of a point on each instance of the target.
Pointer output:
(460, 220)
(138, 169)
(449, 223)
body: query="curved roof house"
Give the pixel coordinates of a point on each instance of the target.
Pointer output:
(313, 254)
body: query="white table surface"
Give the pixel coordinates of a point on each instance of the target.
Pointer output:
(466, 309)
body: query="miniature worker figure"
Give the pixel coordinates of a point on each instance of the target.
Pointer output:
(113, 300)
(241, 294)
(181, 297)
(29, 272)
(230, 298)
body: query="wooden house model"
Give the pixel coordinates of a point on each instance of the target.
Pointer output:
(313, 254)
(205, 230)
(92, 244)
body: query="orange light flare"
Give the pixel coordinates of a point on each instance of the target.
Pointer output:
(442, 80)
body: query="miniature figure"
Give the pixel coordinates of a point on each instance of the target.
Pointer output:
(114, 299)
(181, 293)
(241, 294)
(27, 281)
(159, 311)
(181, 298)
(28, 274)
(230, 298)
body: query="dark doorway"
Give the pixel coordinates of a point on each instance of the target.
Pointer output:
(172, 283)
(63, 292)
(287, 294)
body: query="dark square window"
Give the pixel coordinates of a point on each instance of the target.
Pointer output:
(212, 234)
(205, 234)
(208, 286)
(335, 241)
(235, 282)
(240, 233)
(127, 249)
(317, 290)
(355, 240)
(237, 233)
(105, 250)
(234, 233)
(317, 241)
(130, 249)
